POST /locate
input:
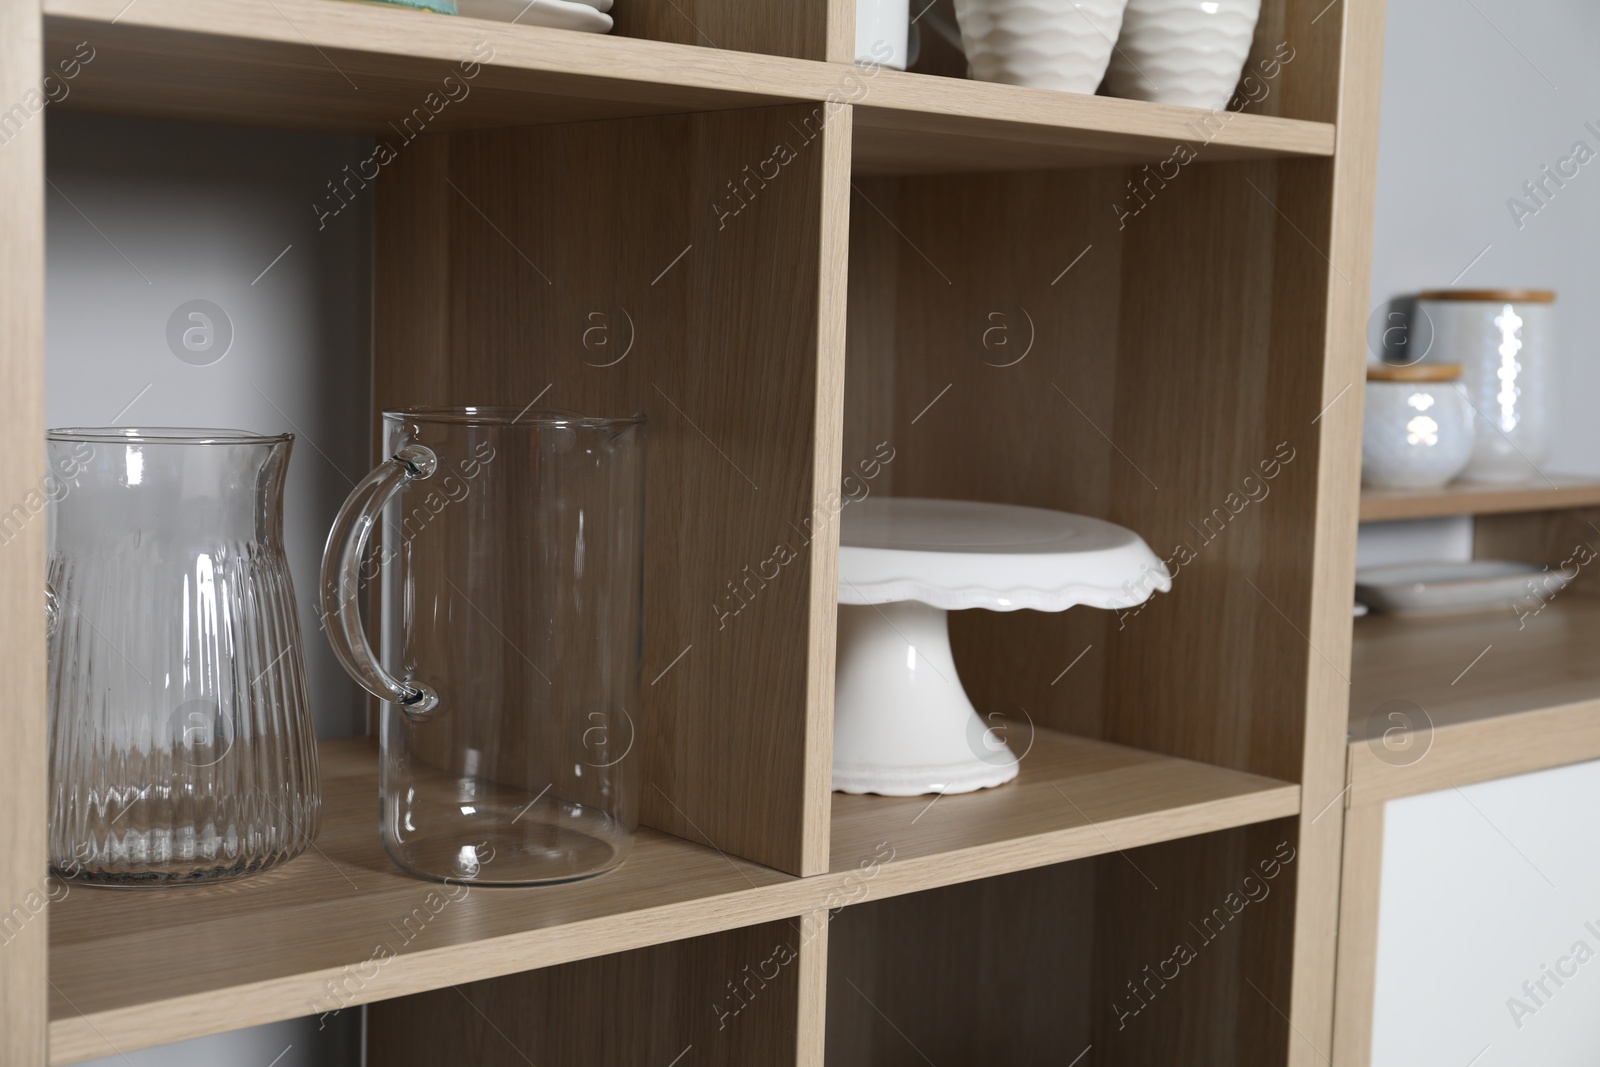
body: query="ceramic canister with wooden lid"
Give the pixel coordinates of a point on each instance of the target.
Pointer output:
(1502, 339)
(1418, 430)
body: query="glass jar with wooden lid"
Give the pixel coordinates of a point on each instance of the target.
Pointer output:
(1502, 339)
(1418, 432)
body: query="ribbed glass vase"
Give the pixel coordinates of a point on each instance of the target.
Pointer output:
(181, 742)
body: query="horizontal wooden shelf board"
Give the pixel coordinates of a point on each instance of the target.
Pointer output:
(360, 68)
(341, 926)
(914, 123)
(1555, 493)
(1073, 797)
(1472, 697)
(350, 67)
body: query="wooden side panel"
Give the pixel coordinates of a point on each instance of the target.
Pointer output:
(797, 28)
(1358, 935)
(670, 266)
(725, 999)
(1355, 82)
(23, 868)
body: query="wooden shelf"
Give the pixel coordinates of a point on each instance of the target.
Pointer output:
(314, 64)
(131, 970)
(1558, 492)
(1498, 699)
(1072, 798)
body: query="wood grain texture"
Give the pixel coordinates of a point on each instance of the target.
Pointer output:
(797, 28)
(811, 976)
(342, 926)
(24, 891)
(358, 68)
(1189, 960)
(1469, 498)
(1360, 884)
(662, 239)
(840, 43)
(1038, 966)
(1566, 540)
(730, 999)
(1477, 697)
(828, 444)
(987, 972)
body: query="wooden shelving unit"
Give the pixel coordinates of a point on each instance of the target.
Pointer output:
(1180, 349)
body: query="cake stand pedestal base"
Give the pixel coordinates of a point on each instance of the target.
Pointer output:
(903, 726)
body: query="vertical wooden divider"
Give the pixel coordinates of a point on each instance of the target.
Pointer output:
(23, 761)
(671, 265)
(1361, 885)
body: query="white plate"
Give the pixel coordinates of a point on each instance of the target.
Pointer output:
(553, 14)
(1444, 588)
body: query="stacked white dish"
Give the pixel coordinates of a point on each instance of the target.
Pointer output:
(583, 16)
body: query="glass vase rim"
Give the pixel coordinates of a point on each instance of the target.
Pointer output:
(508, 415)
(163, 435)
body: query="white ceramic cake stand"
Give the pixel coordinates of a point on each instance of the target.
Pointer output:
(902, 723)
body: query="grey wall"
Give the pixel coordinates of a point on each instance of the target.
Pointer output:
(144, 217)
(1478, 95)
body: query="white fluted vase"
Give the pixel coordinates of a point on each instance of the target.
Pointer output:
(1188, 52)
(1046, 44)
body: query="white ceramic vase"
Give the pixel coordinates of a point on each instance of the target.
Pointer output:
(1046, 44)
(1187, 52)
(1416, 435)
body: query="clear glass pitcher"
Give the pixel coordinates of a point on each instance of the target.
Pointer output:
(508, 596)
(181, 742)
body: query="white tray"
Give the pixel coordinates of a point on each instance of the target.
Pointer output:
(1455, 588)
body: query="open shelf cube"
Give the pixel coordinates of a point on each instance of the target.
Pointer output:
(1136, 953)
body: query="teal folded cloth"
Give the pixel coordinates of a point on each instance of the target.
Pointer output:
(443, 7)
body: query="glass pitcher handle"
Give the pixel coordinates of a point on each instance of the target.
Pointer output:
(341, 575)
